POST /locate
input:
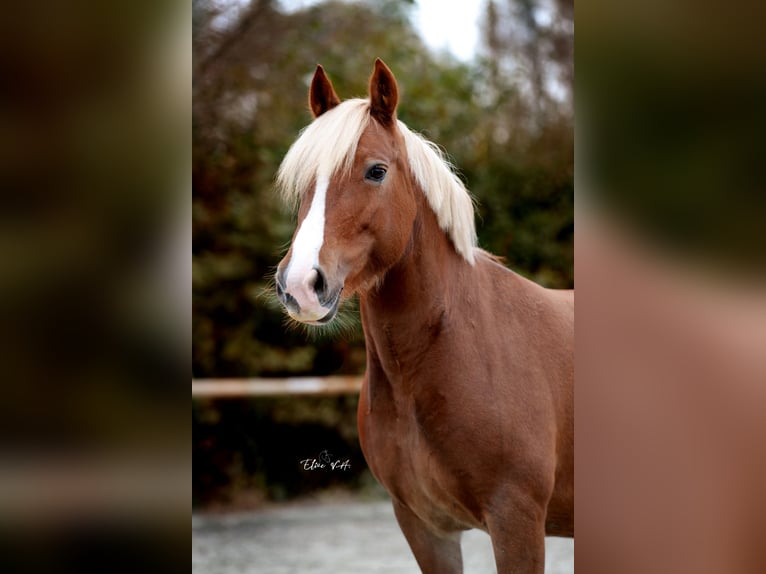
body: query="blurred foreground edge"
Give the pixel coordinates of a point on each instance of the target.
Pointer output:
(670, 401)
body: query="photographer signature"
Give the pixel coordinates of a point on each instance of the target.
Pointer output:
(325, 461)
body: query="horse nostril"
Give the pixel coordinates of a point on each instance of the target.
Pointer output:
(280, 282)
(320, 283)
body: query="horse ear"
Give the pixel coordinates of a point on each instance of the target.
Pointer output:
(384, 94)
(322, 96)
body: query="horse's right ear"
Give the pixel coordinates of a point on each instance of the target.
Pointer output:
(322, 96)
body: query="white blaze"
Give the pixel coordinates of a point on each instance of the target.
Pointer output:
(301, 273)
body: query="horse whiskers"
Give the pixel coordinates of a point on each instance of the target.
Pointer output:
(346, 324)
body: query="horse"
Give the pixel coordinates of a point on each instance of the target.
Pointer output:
(466, 410)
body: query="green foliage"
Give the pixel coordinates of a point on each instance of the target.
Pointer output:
(257, 446)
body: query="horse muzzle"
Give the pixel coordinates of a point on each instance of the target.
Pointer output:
(307, 296)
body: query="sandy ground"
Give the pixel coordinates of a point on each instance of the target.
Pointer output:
(338, 538)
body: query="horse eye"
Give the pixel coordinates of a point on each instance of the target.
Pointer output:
(376, 173)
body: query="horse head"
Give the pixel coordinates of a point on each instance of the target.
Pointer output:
(349, 170)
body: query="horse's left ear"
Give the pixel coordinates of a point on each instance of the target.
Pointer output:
(384, 94)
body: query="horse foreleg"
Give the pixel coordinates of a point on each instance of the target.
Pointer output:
(518, 539)
(435, 553)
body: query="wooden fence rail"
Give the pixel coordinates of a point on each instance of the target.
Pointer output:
(273, 387)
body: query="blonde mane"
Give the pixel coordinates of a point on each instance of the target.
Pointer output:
(328, 145)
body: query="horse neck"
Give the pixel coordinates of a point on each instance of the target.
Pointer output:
(400, 315)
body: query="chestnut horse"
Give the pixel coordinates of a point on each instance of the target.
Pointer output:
(466, 411)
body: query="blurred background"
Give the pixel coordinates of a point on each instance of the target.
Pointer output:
(488, 80)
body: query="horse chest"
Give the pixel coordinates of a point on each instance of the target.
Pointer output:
(404, 458)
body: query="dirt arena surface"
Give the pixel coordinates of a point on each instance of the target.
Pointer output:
(325, 538)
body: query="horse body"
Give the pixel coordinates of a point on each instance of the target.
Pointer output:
(478, 396)
(466, 412)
